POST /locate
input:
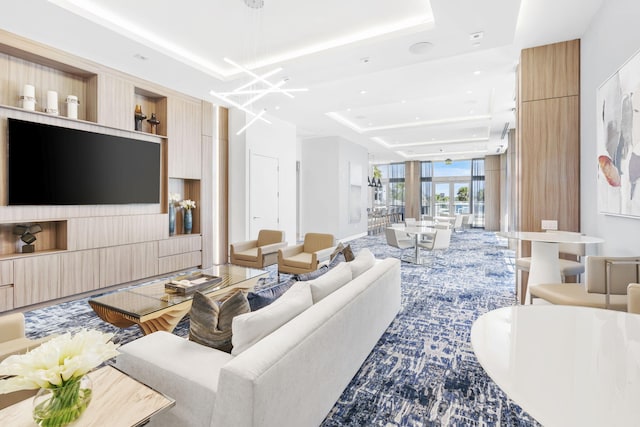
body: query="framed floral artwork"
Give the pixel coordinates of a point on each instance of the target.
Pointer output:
(618, 141)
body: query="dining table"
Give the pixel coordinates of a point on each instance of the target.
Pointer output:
(545, 253)
(418, 233)
(564, 365)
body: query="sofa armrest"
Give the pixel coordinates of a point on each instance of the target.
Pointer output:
(271, 248)
(11, 327)
(243, 246)
(182, 369)
(288, 251)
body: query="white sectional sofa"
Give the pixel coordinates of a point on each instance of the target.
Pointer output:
(290, 377)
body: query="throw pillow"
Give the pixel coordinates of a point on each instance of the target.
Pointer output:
(210, 322)
(337, 250)
(333, 280)
(263, 297)
(348, 253)
(362, 262)
(249, 328)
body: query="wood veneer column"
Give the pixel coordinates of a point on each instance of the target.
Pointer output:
(492, 193)
(549, 139)
(222, 228)
(412, 205)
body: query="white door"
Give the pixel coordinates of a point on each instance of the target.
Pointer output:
(263, 194)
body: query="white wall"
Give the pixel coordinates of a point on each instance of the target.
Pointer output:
(610, 40)
(324, 199)
(277, 139)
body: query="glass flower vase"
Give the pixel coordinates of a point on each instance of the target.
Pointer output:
(188, 221)
(59, 406)
(172, 219)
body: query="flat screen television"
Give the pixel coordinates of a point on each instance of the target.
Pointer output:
(53, 165)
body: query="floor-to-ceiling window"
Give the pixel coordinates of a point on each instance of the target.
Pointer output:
(393, 187)
(426, 188)
(450, 188)
(477, 191)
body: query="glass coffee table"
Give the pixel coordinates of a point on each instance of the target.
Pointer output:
(153, 308)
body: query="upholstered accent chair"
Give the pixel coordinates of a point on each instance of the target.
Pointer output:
(260, 252)
(306, 257)
(607, 280)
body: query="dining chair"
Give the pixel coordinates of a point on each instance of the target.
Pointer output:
(607, 281)
(440, 241)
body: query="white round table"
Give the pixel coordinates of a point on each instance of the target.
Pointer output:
(564, 365)
(545, 257)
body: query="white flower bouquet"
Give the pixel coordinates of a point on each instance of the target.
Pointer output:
(174, 198)
(58, 366)
(187, 204)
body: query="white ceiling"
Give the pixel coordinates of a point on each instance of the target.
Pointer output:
(428, 106)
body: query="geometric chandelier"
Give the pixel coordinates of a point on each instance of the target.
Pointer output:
(246, 94)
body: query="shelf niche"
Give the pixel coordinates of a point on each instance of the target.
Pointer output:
(53, 237)
(188, 189)
(151, 103)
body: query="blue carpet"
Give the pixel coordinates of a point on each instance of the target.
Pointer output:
(423, 371)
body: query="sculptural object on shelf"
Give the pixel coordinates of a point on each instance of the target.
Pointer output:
(154, 122)
(139, 117)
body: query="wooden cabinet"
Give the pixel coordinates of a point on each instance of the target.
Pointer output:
(6, 285)
(121, 264)
(36, 279)
(79, 272)
(184, 134)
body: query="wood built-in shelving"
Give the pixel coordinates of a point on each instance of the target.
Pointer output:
(84, 248)
(188, 189)
(151, 103)
(52, 238)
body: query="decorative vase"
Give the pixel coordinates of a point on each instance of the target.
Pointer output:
(188, 221)
(59, 406)
(172, 219)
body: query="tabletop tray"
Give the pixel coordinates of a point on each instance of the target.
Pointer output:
(196, 281)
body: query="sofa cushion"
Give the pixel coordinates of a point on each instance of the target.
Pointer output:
(263, 297)
(362, 262)
(210, 321)
(321, 270)
(329, 282)
(250, 328)
(348, 253)
(248, 254)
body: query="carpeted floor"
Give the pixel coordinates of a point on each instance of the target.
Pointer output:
(423, 371)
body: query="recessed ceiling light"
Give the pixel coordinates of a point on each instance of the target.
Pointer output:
(420, 48)
(370, 124)
(348, 109)
(476, 36)
(277, 107)
(417, 118)
(404, 101)
(469, 92)
(477, 72)
(363, 92)
(140, 57)
(470, 111)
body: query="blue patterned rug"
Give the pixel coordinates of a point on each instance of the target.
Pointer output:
(423, 371)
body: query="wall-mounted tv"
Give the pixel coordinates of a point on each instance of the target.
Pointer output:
(53, 165)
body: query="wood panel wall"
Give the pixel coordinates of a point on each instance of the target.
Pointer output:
(492, 193)
(548, 162)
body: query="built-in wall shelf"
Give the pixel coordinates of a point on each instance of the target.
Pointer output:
(151, 103)
(187, 189)
(52, 238)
